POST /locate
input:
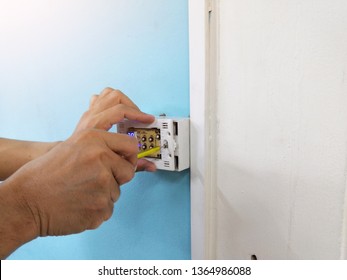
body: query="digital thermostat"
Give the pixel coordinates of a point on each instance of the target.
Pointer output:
(168, 138)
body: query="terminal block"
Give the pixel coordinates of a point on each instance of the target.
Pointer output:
(170, 134)
(148, 138)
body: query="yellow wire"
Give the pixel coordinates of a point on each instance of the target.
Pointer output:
(148, 152)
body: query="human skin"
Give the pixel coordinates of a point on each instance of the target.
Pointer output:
(106, 109)
(70, 186)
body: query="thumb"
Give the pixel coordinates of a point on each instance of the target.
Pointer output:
(145, 165)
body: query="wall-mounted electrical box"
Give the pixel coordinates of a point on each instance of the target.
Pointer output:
(170, 134)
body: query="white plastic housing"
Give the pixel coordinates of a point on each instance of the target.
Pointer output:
(174, 137)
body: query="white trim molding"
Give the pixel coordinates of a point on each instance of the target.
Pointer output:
(201, 116)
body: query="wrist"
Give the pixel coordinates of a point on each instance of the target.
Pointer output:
(16, 153)
(17, 225)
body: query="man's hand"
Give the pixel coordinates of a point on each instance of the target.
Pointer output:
(73, 187)
(106, 109)
(109, 108)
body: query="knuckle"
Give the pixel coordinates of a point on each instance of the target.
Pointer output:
(118, 93)
(130, 176)
(101, 202)
(127, 175)
(116, 96)
(115, 197)
(107, 90)
(102, 153)
(93, 98)
(93, 156)
(115, 193)
(126, 179)
(95, 223)
(105, 179)
(109, 212)
(102, 211)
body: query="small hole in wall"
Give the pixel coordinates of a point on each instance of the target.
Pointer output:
(254, 257)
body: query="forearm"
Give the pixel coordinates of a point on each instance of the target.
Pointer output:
(16, 153)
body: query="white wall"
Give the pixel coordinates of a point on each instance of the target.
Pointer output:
(281, 130)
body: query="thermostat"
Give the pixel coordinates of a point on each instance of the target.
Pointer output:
(167, 137)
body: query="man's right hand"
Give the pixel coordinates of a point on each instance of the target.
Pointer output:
(74, 186)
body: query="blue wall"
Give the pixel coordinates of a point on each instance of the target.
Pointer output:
(53, 56)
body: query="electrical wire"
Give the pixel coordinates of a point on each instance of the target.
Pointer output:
(148, 152)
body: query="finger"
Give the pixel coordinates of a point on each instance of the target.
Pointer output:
(121, 144)
(115, 193)
(145, 165)
(93, 100)
(109, 213)
(110, 97)
(106, 90)
(106, 119)
(123, 171)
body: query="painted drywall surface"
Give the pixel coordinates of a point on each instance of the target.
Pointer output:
(53, 56)
(282, 120)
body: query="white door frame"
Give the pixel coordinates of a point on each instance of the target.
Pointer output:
(202, 116)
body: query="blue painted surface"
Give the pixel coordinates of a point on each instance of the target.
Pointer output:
(53, 57)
